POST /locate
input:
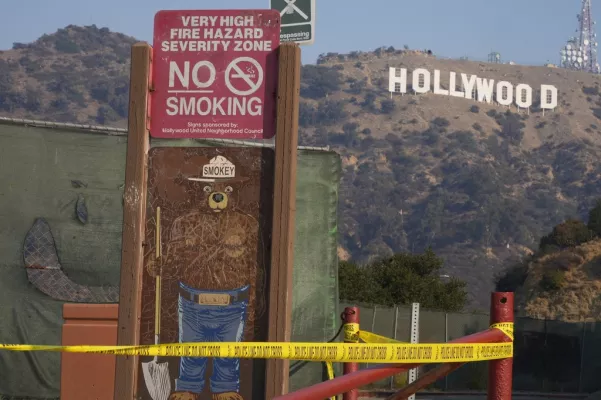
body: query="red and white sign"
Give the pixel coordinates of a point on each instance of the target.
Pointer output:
(215, 74)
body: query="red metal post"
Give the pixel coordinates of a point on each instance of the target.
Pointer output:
(350, 316)
(500, 371)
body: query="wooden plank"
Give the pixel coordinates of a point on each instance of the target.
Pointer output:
(134, 220)
(282, 257)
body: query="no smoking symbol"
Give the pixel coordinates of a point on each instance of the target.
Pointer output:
(250, 78)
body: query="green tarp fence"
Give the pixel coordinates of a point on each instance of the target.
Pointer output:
(37, 165)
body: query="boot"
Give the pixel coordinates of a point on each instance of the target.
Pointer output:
(184, 396)
(227, 396)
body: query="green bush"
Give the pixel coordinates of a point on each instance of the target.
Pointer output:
(318, 81)
(552, 280)
(387, 106)
(402, 279)
(569, 233)
(594, 218)
(64, 45)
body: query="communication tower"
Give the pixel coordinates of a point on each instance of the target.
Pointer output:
(580, 52)
(494, 57)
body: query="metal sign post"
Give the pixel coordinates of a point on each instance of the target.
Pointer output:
(298, 20)
(414, 339)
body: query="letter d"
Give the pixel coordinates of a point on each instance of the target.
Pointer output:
(548, 97)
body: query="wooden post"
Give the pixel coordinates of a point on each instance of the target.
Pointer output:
(134, 220)
(284, 211)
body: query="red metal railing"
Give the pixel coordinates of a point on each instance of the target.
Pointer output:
(500, 371)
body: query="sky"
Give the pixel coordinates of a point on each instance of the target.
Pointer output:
(524, 31)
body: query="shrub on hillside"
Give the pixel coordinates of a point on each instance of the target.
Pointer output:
(552, 280)
(307, 114)
(387, 106)
(440, 122)
(330, 112)
(569, 233)
(511, 126)
(594, 218)
(356, 87)
(369, 102)
(318, 81)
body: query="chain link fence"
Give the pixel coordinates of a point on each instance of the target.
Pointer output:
(549, 356)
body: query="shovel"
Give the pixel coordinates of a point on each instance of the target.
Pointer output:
(156, 375)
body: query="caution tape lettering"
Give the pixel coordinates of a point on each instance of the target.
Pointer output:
(366, 353)
(414, 353)
(496, 351)
(315, 353)
(457, 353)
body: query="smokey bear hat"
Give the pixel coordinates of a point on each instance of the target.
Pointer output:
(218, 170)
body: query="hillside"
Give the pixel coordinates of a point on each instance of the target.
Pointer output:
(478, 182)
(572, 294)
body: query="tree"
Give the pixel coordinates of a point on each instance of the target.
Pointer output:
(569, 233)
(402, 279)
(356, 283)
(594, 219)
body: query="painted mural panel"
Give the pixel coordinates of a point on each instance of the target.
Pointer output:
(206, 268)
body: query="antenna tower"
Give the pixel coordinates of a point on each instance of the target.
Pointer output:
(494, 57)
(580, 52)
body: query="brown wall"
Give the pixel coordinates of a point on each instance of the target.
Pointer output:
(88, 376)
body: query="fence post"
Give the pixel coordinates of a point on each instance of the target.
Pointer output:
(351, 316)
(446, 340)
(500, 371)
(394, 328)
(581, 357)
(414, 340)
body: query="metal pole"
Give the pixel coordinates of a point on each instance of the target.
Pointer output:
(446, 340)
(500, 371)
(394, 327)
(351, 316)
(414, 340)
(581, 358)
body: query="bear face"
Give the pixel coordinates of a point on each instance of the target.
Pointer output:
(220, 196)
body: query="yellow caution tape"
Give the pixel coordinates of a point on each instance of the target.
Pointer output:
(335, 352)
(505, 327)
(351, 332)
(369, 337)
(330, 369)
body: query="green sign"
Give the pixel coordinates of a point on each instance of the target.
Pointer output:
(298, 20)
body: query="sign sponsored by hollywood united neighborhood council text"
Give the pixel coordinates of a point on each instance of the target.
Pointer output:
(215, 74)
(298, 20)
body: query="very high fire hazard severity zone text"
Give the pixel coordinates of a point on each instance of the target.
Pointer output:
(215, 74)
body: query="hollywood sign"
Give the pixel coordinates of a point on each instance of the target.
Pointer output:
(472, 87)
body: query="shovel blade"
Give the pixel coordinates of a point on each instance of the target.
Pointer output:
(156, 377)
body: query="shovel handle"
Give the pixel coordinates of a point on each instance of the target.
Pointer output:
(157, 289)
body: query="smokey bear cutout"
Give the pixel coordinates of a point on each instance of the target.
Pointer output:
(215, 223)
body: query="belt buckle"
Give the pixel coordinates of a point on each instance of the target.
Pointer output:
(214, 299)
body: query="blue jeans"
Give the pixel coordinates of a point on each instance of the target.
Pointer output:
(210, 323)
